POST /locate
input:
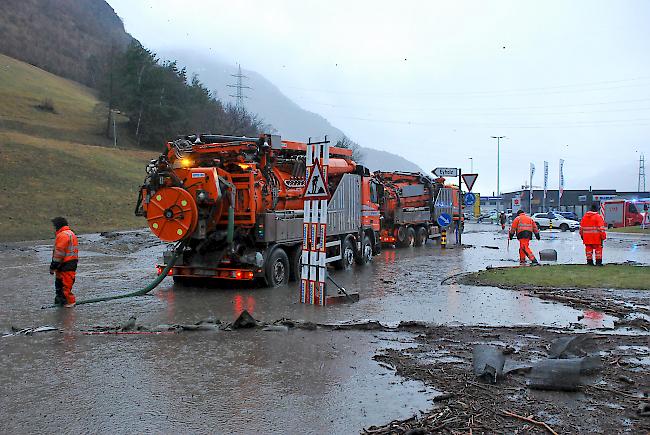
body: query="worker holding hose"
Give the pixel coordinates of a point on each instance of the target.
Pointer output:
(524, 227)
(64, 262)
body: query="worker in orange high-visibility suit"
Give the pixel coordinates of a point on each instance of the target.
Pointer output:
(524, 227)
(592, 231)
(64, 262)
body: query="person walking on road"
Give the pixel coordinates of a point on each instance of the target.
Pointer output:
(524, 227)
(502, 219)
(64, 262)
(592, 231)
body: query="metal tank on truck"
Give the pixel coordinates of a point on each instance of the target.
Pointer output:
(235, 204)
(407, 207)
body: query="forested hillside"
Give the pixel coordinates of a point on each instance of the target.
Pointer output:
(85, 41)
(70, 38)
(161, 101)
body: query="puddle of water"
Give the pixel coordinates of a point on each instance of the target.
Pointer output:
(244, 382)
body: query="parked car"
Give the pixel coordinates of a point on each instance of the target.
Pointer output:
(544, 220)
(569, 215)
(492, 217)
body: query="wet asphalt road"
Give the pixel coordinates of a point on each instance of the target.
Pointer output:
(245, 381)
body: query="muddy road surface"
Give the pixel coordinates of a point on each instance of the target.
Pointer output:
(252, 381)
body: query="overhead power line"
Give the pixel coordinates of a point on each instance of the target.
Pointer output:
(583, 87)
(612, 123)
(497, 111)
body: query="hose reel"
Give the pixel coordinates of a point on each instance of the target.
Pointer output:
(172, 214)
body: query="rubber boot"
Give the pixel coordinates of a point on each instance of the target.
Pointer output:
(599, 262)
(590, 262)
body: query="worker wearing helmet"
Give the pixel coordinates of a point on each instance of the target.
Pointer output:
(592, 231)
(64, 262)
(524, 227)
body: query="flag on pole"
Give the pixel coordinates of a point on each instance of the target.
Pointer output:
(530, 188)
(561, 177)
(545, 179)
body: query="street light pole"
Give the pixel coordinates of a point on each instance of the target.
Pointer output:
(498, 138)
(471, 163)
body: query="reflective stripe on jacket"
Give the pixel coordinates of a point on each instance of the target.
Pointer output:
(66, 247)
(524, 226)
(592, 228)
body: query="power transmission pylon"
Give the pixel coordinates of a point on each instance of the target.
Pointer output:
(641, 185)
(239, 88)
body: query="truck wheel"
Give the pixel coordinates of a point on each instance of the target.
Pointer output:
(410, 238)
(405, 236)
(295, 264)
(347, 255)
(277, 268)
(400, 236)
(421, 236)
(365, 254)
(564, 227)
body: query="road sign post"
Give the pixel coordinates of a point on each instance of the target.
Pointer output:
(446, 172)
(469, 180)
(444, 220)
(314, 233)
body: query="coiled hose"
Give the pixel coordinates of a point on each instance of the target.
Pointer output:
(155, 283)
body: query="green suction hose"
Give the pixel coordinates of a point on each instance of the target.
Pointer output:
(140, 292)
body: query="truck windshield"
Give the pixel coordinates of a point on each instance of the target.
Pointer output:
(373, 193)
(632, 208)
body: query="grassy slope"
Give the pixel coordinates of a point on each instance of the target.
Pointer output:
(58, 163)
(562, 276)
(631, 230)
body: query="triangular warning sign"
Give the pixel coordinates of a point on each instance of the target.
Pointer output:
(315, 187)
(469, 180)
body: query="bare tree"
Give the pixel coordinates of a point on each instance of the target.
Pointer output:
(346, 142)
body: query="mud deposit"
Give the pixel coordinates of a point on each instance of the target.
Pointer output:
(611, 399)
(171, 362)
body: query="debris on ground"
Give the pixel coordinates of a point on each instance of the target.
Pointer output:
(601, 381)
(245, 320)
(555, 374)
(488, 362)
(29, 331)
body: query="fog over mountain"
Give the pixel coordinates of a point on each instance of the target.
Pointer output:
(264, 98)
(435, 81)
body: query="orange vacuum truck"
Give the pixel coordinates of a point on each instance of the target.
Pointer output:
(407, 207)
(236, 205)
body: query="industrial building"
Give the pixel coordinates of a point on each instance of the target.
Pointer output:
(575, 200)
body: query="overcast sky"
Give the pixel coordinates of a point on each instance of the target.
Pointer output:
(434, 80)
